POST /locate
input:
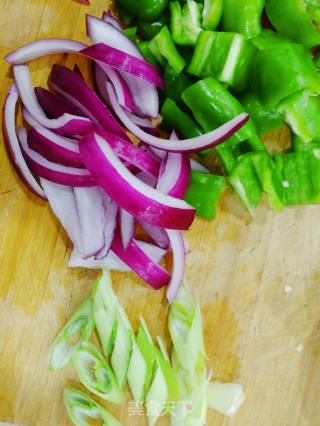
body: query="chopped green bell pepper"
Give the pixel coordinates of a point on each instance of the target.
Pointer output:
(299, 145)
(296, 19)
(301, 112)
(148, 10)
(301, 176)
(175, 84)
(212, 105)
(204, 193)
(143, 46)
(176, 119)
(148, 30)
(278, 72)
(211, 15)
(186, 22)
(226, 56)
(264, 119)
(243, 16)
(131, 32)
(167, 51)
(268, 39)
(254, 174)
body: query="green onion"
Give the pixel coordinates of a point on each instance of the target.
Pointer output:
(95, 373)
(105, 312)
(83, 410)
(78, 329)
(226, 398)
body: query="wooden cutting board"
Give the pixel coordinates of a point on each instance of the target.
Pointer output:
(258, 333)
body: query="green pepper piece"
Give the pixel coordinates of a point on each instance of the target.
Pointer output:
(212, 13)
(245, 183)
(148, 30)
(212, 105)
(268, 39)
(204, 193)
(301, 176)
(294, 19)
(226, 56)
(176, 119)
(163, 42)
(299, 145)
(264, 119)
(78, 329)
(186, 22)
(243, 16)
(143, 46)
(301, 112)
(131, 32)
(227, 157)
(175, 83)
(277, 72)
(84, 410)
(148, 10)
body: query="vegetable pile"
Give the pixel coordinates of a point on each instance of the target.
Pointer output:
(179, 386)
(77, 150)
(220, 58)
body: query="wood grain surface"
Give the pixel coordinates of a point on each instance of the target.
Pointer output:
(257, 334)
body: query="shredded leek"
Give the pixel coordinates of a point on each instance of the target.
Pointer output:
(95, 373)
(83, 410)
(78, 329)
(105, 305)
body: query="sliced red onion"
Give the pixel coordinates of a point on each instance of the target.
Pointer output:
(43, 47)
(178, 250)
(12, 143)
(67, 125)
(107, 17)
(133, 154)
(126, 228)
(54, 147)
(63, 203)
(92, 219)
(176, 175)
(142, 201)
(139, 261)
(158, 152)
(68, 84)
(53, 105)
(158, 235)
(53, 172)
(196, 166)
(110, 215)
(144, 94)
(112, 261)
(198, 143)
(124, 62)
(145, 124)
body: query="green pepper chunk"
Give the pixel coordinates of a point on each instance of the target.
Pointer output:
(299, 145)
(143, 46)
(212, 105)
(212, 13)
(164, 50)
(243, 16)
(148, 10)
(264, 119)
(301, 112)
(254, 174)
(175, 84)
(204, 193)
(301, 176)
(226, 56)
(186, 22)
(281, 70)
(297, 19)
(148, 30)
(176, 119)
(268, 39)
(131, 32)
